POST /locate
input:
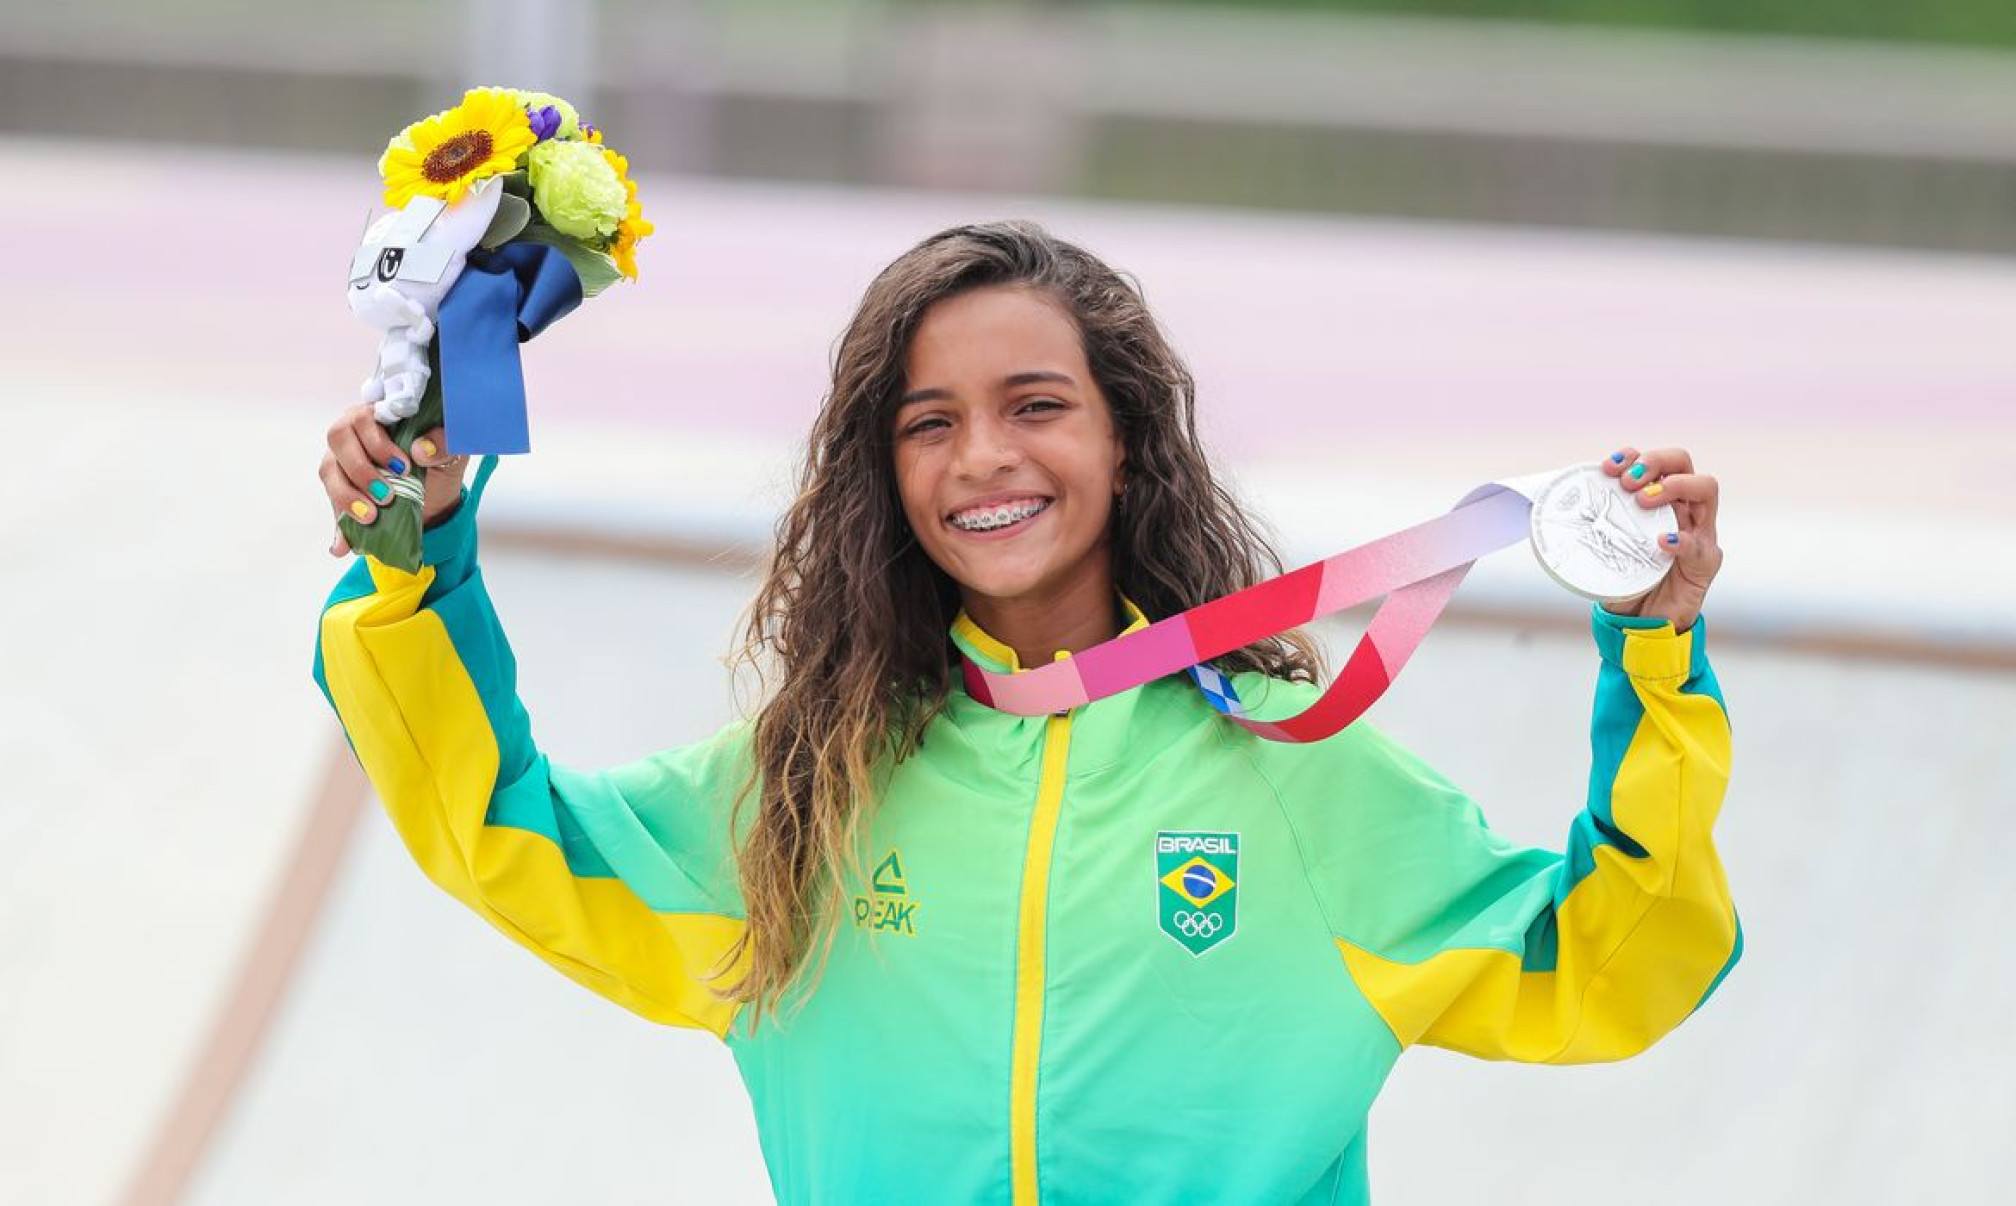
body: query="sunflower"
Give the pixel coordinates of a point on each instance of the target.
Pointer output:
(442, 155)
(633, 226)
(624, 249)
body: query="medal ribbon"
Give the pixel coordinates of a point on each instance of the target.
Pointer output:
(1417, 569)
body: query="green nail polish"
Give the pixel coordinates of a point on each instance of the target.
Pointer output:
(380, 491)
(1638, 470)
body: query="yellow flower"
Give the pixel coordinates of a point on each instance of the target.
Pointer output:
(624, 249)
(633, 226)
(401, 141)
(442, 155)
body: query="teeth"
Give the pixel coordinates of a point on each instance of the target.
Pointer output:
(998, 517)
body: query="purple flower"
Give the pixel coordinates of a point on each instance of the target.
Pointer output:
(545, 120)
(587, 128)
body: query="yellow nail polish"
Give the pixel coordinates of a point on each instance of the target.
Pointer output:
(424, 447)
(361, 509)
(1654, 490)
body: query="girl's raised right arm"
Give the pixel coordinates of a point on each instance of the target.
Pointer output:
(621, 878)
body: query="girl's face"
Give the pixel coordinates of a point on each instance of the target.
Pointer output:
(1007, 456)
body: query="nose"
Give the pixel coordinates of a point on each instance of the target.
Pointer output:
(985, 447)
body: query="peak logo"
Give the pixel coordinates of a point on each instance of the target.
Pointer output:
(887, 906)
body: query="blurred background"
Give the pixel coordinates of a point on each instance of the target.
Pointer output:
(1406, 248)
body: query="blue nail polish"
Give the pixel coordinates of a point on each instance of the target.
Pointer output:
(1638, 470)
(398, 466)
(1672, 538)
(1616, 458)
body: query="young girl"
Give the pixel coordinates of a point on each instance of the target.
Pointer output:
(1126, 953)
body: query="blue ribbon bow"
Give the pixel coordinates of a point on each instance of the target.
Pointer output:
(503, 298)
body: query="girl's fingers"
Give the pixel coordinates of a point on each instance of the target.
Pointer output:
(1695, 558)
(366, 476)
(377, 442)
(1675, 488)
(354, 462)
(361, 455)
(1707, 506)
(343, 495)
(1683, 546)
(1666, 475)
(1694, 497)
(1648, 467)
(431, 449)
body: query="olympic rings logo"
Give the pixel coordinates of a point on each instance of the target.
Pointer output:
(1198, 925)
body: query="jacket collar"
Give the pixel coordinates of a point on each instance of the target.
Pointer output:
(975, 642)
(1012, 745)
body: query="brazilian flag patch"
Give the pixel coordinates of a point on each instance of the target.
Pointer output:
(1197, 896)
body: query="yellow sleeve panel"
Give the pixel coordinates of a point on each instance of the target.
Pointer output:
(559, 860)
(1585, 956)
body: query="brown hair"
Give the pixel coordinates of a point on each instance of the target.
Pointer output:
(855, 614)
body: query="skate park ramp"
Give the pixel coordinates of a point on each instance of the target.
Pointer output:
(223, 982)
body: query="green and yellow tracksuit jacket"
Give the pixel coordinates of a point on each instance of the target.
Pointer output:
(1124, 954)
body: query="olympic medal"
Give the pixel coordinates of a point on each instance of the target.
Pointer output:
(1592, 537)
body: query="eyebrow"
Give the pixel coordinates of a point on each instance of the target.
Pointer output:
(1008, 382)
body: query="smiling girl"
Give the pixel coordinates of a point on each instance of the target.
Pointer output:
(1129, 952)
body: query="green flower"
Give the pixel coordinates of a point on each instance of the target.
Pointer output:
(570, 118)
(576, 189)
(570, 121)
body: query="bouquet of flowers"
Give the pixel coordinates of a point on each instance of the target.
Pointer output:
(504, 213)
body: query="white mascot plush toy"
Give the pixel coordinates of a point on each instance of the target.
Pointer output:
(406, 264)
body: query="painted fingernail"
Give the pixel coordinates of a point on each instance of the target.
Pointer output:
(423, 448)
(361, 509)
(1654, 490)
(398, 465)
(1616, 458)
(380, 491)
(1638, 470)
(1672, 538)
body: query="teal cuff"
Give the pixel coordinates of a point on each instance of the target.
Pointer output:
(452, 536)
(1622, 621)
(450, 547)
(1613, 632)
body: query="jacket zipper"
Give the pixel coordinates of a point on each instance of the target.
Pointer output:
(1031, 930)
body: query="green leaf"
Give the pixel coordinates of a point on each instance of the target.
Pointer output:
(596, 270)
(518, 183)
(394, 537)
(513, 212)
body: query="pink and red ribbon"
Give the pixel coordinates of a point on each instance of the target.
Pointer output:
(1417, 569)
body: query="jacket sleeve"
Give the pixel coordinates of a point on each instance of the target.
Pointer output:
(1460, 939)
(620, 878)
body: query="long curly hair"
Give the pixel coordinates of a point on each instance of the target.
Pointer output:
(852, 616)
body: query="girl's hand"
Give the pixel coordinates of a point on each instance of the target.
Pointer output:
(361, 453)
(1666, 475)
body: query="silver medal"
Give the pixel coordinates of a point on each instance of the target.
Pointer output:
(1592, 537)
